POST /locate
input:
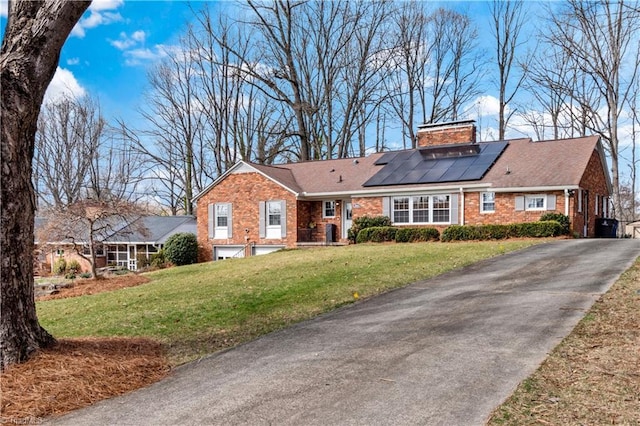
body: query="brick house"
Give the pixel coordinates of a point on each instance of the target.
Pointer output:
(449, 179)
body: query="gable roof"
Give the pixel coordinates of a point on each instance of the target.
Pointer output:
(551, 163)
(506, 165)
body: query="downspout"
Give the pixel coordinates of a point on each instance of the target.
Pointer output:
(566, 202)
(461, 206)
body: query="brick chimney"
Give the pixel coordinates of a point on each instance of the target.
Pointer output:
(450, 133)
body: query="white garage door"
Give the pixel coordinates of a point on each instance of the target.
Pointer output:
(258, 250)
(227, 252)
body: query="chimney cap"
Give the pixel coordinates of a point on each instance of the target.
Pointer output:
(457, 123)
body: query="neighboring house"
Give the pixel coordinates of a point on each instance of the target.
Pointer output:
(632, 230)
(126, 246)
(449, 179)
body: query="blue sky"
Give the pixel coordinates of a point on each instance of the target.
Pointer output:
(111, 48)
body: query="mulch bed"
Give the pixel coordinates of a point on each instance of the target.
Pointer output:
(90, 286)
(77, 373)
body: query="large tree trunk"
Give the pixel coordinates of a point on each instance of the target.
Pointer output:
(34, 35)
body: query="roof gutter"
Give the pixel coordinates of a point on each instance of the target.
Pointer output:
(396, 190)
(536, 188)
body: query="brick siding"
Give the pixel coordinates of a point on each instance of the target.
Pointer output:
(244, 191)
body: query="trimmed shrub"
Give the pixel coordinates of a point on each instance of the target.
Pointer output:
(461, 233)
(560, 218)
(181, 249)
(537, 229)
(364, 222)
(411, 235)
(60, 266)
(499, 232)
(377, 234)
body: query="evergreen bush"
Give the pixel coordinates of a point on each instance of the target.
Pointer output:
(181, 249)
(364, 222)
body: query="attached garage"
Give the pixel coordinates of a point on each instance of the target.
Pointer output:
(227, 252)
(258, 250)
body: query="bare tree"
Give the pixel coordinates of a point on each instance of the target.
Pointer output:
(601, 42)
(77, 155)
(240, 121)
(436, 66)
(171, 140)
(67, 141)
(34, 35)
(508, 19)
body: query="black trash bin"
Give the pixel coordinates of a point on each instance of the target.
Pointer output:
(606, 228)
(330, 233)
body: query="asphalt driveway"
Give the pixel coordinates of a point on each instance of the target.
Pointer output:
(441, 351)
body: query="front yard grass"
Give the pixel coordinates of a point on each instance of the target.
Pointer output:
(199, 309)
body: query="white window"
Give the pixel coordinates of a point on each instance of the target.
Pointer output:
(328, 209)
(273, 219)
(275, 211)
(535, 202)
(421, 209)
(440, 209)
(222, 221)
(401, 210)
(488, 202)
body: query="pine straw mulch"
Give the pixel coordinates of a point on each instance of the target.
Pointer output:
(91, 286)
(593, 376)
(76, 373)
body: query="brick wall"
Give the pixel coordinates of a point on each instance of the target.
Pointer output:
(505, 209)
(446, 135)
(244, 191)
(594, 182)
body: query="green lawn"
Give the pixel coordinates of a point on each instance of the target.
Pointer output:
(202, 308)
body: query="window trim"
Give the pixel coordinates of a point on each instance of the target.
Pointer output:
(221, 232)
(535, 196)
(430, 207)
(324, 209)
(272, 232)
(483, 202)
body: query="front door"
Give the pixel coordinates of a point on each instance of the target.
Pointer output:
(133, 266)
(346, 218)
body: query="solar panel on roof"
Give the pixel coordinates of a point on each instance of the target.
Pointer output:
(449, 163)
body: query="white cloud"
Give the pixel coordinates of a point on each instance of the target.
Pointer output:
(126, 42)
(4, 8)
(487, 105)
(63, 84)
(99, 5)
(73, 61)
(136, 57)
(100, 13)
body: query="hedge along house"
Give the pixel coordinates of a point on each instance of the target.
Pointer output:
(125, 247)
(449, 179)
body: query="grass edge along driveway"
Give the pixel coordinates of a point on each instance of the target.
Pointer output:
(199, 309)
